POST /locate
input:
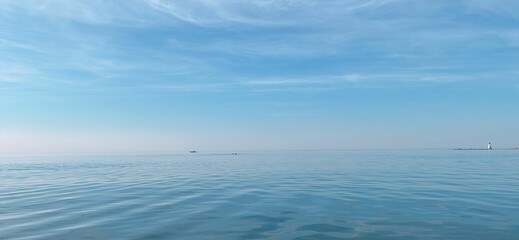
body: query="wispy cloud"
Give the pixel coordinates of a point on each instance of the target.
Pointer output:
(183, 44)
(361, 78)
(261, 13)
(201, 87)
(91, 12)
(15, 74)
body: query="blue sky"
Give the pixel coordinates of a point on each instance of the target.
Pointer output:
(229, 75)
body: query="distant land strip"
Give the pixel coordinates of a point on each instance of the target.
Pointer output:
(493, 149)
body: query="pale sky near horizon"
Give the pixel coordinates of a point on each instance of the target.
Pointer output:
(156, 75)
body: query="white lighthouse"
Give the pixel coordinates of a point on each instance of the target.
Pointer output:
(489, 146)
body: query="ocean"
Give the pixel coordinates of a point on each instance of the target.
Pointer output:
(404, 194)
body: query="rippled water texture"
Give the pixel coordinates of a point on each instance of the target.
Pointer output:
(281, 195)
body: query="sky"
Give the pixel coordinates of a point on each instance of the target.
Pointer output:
(103, 76)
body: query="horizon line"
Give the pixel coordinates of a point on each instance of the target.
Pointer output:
(202, 152)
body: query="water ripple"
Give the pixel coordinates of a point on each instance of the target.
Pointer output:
(290, 195)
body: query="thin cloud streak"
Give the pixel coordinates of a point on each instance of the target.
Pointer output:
(263, 13)
(361, 78)
(97, 12)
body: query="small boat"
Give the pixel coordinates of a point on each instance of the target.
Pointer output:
(192, 151)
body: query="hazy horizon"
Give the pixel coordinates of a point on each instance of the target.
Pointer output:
(162, 76)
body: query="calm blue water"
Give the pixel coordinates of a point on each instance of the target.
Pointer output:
(275, 195)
